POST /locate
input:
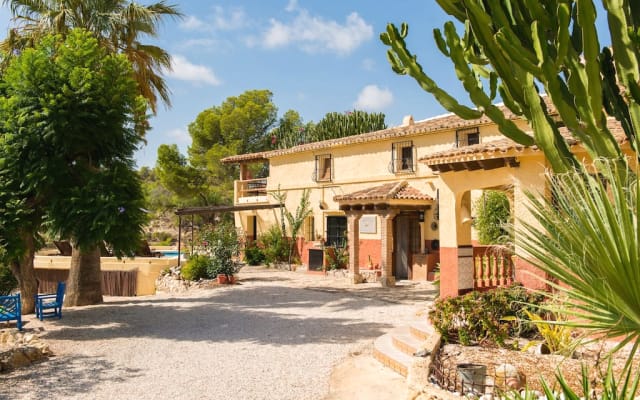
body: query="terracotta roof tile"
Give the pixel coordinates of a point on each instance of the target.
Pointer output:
(497, 148)
(389, 191)
(430, 125)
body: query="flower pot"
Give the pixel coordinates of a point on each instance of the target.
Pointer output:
(222, 279)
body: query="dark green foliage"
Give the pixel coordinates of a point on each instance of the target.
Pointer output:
(253, 255)
(8, 282)
(291, 131)
(478, 317)
(222, 246)
(275, 245)
(337, 257)
(196, 268)
(336, 125)
(71, 121)
(492, 216)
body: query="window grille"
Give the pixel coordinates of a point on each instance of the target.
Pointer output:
(467, 137)
(403, 157)
(336, 231)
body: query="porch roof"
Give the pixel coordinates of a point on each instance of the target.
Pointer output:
(389, 195)
(498, 153)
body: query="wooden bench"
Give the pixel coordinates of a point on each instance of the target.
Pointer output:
(10, 309)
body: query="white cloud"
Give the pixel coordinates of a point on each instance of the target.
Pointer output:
(222, 20)
(315, 34)
(368, 64)
(192, 23)
(178, 135)
(291, 6)
(373, 98)
(228, 20)
(186, 71)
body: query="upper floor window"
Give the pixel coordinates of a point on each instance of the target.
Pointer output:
(403, 157)
(467, 137)
(323, 168)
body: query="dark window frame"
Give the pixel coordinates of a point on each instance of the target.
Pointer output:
(467, 137)
(403, 157)
(323, 162)
(336, 234)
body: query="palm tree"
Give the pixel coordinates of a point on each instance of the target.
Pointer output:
(118, 25)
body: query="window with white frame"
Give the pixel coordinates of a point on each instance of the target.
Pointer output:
(403, 157)
(467, 137)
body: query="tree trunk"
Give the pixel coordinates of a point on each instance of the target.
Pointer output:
(25, 273)
(84, 285)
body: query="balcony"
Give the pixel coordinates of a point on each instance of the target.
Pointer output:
(251, 191)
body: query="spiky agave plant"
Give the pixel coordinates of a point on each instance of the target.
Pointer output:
(588, 243)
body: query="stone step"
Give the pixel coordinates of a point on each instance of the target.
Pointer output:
(405, 341)
(421, 329)
(390, 356)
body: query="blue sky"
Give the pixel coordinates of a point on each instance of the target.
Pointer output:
(315, 56)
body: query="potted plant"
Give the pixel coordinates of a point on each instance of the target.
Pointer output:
(222, 247)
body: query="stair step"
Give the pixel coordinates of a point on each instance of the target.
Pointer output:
(390, 356)
(404, 340)
(421, 330)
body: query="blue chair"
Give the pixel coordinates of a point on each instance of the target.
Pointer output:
(50, 305)
(11, 309)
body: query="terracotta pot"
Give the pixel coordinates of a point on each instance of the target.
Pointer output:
(222, 279)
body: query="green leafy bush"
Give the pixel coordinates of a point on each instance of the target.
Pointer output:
(196, 268)
(276, 247)
(8, 282)
(253, 255)
(337, 257)
(492, 215)
(222, 245)
(478, 317)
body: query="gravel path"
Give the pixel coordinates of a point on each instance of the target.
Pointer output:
(276, 335)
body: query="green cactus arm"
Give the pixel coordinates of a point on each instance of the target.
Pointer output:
(545, 132)
(403, 62)
(591, 53)
(625, 53)
(473, 86)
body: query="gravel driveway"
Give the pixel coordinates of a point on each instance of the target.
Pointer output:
(276, 335)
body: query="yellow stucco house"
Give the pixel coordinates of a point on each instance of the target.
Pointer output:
(401, 198)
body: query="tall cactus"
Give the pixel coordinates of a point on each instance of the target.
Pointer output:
(519, 46)
(337, 125)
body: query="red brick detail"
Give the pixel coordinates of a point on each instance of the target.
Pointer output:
(449, 272)
(370, 247)
(528, 275)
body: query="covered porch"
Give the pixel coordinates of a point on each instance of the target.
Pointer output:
(464, 173)
(400, 210)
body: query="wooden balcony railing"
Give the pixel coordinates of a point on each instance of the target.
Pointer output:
(252, 188)
(492, 268)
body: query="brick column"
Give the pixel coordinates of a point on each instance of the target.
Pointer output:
(386, 258)
(353, 238)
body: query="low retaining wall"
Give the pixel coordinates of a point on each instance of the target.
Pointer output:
(124, 277)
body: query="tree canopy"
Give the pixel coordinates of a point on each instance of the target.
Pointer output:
(71, 121)
(117, 24)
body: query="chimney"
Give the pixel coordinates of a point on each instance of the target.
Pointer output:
(407, 120)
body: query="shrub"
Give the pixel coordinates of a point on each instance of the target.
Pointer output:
(196, 268)
(493, 214)
(276, 247)
(337, 257)
(221, 245)
(481, 317)
(8, 282)
(253, 255)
